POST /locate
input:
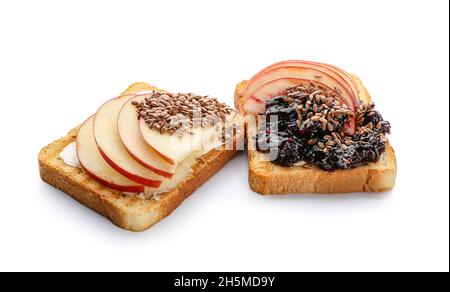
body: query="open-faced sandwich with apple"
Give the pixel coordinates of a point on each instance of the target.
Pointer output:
(313, 128)
(143, 153)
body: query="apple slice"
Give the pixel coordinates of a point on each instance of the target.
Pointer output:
(294, 72)
(337, 73)
(94, 164)
(350, 81)
(175, 149)
(256, 103)
(331, 76)
(128, 126)
(110, 145)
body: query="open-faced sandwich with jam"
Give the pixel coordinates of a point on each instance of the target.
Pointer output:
(313, 128)
(143, 153)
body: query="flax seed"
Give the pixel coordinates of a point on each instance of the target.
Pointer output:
(313, 142)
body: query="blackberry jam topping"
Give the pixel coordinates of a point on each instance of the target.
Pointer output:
(309, 124)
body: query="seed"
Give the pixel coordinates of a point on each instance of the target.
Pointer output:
(348, 142)
(316, 108)
(350, 113)
(330, 127)
(309, 115)
(370, 125)
(345, 147)
(173, 113)
(346, 161)
(315, 118)
(330, 143)
(318, 98)
(313, 142)
(327, 137)
(323, 121)
(379, 125)
(321, 145)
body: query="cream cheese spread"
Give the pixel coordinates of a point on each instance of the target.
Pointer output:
(69, 155)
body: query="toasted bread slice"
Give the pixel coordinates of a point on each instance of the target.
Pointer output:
(130, 212)
(267, 178)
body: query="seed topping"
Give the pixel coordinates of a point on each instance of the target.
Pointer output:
(178, 114)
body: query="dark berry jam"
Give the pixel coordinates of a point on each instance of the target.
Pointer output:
(309, 124)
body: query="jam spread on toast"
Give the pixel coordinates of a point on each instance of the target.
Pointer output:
(309, 123)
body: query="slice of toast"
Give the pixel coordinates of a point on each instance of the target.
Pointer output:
(267, 178)
(130, 212)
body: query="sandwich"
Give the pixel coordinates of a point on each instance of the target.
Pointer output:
(143, 153)
(312, 128)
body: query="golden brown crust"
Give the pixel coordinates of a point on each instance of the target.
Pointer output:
(238, 101)
(128, 212)
(267, 178)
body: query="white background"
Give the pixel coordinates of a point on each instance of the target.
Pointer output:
(60, 60)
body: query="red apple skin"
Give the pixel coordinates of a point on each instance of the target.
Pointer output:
(282, 64)
(297, 67)
(128, 189)
(168, 159)
(148, 182)
(280, 93)
(133, 177)
(121, 188)
(155, 170)
(171, 161)
(351, 89)
(348, 77)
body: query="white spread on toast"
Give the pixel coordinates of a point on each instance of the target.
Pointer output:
(69, 155)
(184, 169)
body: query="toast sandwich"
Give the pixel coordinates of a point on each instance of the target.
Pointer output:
(267, 177)
(119, 196)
